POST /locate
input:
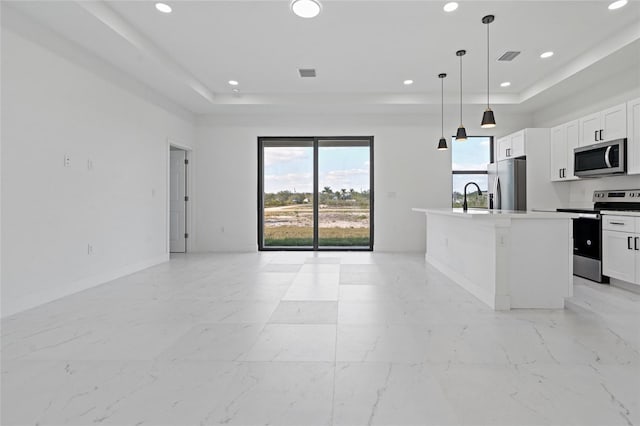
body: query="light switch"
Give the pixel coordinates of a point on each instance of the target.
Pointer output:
(67, 160)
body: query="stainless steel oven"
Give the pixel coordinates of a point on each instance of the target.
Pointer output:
(587, 230)
(587, 245)
(606, 158)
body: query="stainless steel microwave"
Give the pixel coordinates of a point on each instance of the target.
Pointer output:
(606, 158)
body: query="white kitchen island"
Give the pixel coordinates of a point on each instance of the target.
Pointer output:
(507, 259)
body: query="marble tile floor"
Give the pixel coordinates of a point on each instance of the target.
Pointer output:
(289, 338)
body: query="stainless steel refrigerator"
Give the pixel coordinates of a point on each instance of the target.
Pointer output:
(508, 184)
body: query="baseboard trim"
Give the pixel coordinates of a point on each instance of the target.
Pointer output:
(35, 300)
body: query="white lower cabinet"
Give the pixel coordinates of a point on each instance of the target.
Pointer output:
(621, 248)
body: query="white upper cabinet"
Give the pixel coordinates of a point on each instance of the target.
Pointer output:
(517, 144)
(564, 139)
(590, 129)
(633, 137)
(604, 125)
(614, 123)
(511, 146)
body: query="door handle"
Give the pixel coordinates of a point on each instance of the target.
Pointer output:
(600, 134)
(635, 243)
(607, 153)
(564, 173)
(629, 243)
(560, 173)
(595, 136)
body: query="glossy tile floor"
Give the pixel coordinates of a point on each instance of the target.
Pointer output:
(330, 338)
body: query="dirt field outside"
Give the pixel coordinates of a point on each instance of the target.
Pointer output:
(337, 226)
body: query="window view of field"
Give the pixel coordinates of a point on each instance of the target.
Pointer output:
(470, 156)
(343, 196)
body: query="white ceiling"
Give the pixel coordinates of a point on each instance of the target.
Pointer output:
(362, 50)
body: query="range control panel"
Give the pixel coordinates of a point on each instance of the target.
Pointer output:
(618, 196)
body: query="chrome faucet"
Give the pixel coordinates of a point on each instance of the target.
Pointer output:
(464, 204)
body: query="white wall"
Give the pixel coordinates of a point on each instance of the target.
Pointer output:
(610, 91)
(408, 172)
(50, 213)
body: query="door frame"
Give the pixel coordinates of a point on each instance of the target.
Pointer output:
(314, 140)
(188, 217)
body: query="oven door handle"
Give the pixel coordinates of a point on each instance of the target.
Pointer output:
(607, 158)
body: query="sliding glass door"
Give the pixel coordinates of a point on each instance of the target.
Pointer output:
(315, 193)
(287, 193)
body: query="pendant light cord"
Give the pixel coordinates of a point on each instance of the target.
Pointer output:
(461, 90)
(442, 105)
(487, 66)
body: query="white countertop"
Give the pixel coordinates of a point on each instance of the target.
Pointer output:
(497, 214)
(621, 213)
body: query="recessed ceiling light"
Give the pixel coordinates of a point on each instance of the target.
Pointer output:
(233, 82)
(450, 7)
(505, 84)
(164, 8)
(546, 55)
(408, 82)
(306, 8)
(617, 4)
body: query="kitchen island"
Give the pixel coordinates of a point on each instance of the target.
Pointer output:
(507, 259)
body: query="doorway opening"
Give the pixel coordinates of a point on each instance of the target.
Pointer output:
(178, 199)
(315, 193)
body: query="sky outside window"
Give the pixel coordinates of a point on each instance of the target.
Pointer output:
(291, 169)
(472, 155)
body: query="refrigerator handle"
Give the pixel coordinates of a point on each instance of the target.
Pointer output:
(497, 195)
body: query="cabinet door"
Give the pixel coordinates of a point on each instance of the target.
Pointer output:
(558, 152)
(572, 142)
(618, 261)
(590, 129)
(614, 122)
(633, 137)
(517, 145)
(504, 146)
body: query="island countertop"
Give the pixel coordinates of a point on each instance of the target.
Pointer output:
(507, 259)
(496, 214)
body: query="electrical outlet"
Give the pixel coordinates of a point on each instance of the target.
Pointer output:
(67, 160)
(89, 249)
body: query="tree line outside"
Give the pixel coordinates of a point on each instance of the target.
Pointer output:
(327, 196)
(473, 199)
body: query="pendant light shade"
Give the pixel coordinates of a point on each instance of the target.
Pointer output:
(442, 143)
(488, 119)
(461, 134)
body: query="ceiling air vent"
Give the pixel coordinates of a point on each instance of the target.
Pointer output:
(508, 56)
(307, 72)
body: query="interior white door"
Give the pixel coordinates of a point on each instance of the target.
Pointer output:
(177, 202)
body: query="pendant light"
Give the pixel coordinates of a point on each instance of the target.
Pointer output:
(442, 144)
(461, 134)
(488, 120)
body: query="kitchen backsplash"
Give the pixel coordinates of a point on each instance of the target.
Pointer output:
(581, 192)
